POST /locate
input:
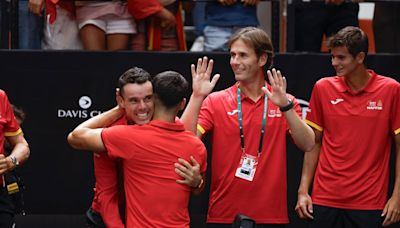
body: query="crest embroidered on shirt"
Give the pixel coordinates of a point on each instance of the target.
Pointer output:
(375, 105)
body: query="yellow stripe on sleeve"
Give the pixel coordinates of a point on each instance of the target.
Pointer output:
(397, 131)
(200, 129)
(13, 133)
(313, 125)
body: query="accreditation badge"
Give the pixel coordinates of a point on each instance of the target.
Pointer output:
(247, 167)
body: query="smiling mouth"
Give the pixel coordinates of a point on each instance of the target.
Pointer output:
(143, 116)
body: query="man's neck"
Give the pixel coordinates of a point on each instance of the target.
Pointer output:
(358, 79)
(252, 89)
(166, 116)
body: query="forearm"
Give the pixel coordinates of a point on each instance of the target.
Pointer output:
(191, 113)
(21, 152)
(396, 189)
(302, 134)
(200, 187)
(86, 135)
(309, 166)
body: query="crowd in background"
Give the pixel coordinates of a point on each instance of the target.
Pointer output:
(160, 25)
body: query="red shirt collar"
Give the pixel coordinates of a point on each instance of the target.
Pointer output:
(368, 88)
(177, 126)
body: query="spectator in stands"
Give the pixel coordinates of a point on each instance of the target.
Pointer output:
(30, 23)
(224, 18)
(313, 19)
(355, 116)
(104, 25)
(150, 183)
(159, 24)
(10, 131)
(248, 167)
(386, 26)
(60, 29)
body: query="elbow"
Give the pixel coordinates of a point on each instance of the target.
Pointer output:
(310, 143)
(73, 140)
(309, 146)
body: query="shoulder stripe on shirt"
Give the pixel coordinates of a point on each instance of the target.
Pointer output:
(397, 131)
(313, 125)
(13, 133)
(201, 129)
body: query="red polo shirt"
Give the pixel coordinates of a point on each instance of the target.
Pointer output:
(149, 152)
(353, 167)
(263, 199)
(8, 124)
(106, 196)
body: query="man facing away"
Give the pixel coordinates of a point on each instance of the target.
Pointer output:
(154, 199)
(355, 116)
(249, 127)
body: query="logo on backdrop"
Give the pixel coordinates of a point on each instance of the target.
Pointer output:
(304, 107)
(84, 102)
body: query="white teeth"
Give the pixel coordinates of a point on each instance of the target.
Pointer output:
(142, 115)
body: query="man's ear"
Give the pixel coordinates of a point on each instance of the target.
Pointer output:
(262, 60)
(120, 99)
(182, 104)
(360, 57)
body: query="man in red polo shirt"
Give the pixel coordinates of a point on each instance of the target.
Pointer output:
(355, 116)
(154, 199)
(10, 131)
(135, 97)
(249, 126)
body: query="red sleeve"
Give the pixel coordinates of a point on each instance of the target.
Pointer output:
(395, 110)
(118, 140)
(315, 113)
(11, 126)
(205, 119)
(141, 9)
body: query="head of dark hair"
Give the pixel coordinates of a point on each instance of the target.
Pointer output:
(258, 39)
(170, 88)
(133, 75)
(18, 113)
(353, 38)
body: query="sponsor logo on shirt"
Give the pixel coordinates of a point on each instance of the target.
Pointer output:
(374, 105)
(274, 113)
(337, 101)
(233, 112)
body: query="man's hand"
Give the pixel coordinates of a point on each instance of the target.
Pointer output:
(304, 208)
(167, 18)
(5, 164)
(36, 7)
(227, 2)
(278, 86)
(249, 2)
(190, 173)
(201, 74)
(391, 212)
(334, 2)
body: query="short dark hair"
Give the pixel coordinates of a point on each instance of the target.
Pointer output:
(353, 38)
(133, 75)
(256, 38)
(170, 88)
(18, 113)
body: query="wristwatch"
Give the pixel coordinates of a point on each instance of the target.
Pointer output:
(287, 107)
(14, 161)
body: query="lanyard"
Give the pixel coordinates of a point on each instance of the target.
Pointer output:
(240, 118)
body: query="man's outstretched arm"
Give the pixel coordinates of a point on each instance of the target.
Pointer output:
(87, 135)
